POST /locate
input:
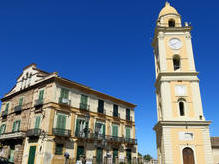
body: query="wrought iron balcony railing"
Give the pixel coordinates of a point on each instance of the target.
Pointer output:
(131, 141)
(84, 106)
(18, 108)
(34, 132)
(61, 132)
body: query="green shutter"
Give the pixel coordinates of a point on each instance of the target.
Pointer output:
(77, 128)
(6, 107)
(4, 127)
(18, 126)
(63, 121)
(84, 99)
(41, 93)
(37, 122)
(104, 129)
(21, 101)
(1, 128)
(58, 123)
(59, 149)
(64, 93)
(14, 124)
(127, 132)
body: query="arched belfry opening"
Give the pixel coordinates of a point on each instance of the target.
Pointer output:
(171, 23)
(188, 156)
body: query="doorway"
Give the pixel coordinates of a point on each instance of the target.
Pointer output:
(188, 156)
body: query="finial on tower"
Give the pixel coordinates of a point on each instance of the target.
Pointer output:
(167, 3)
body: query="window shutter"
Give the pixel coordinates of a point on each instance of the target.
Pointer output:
(104, 129)
(58, 123)
(127, 132)
(66, 93)
(37, 122)
(18, 126)
(77, 128)
(4, 127)
(41, 95)
(63, 120)
(1, 127)
(21, 101)
(13, 128)
(6, 107)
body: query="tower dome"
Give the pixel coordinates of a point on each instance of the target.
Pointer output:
(168, 10)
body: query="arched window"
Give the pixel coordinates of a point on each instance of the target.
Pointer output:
(176, 62)
(188, 156)
(171, 23)
(181, 108)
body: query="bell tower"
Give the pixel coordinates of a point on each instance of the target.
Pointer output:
(182, 131)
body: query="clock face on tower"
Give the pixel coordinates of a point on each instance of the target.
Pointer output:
(175, 43)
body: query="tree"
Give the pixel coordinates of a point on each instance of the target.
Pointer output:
(147, 157)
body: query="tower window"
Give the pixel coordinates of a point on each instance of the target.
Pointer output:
(171, 23)
(176, 62)
(181, 108)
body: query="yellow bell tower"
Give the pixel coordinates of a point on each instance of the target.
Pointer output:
(182, 131)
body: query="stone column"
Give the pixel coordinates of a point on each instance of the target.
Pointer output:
(94, 160)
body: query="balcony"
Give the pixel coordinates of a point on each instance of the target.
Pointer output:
(115, 139)
(17, 134)
(131, 141)
(17, 109)
(38, 103)
(64, 101)
(84, 107)
(61, 132)
(34, 132)
(4, 114)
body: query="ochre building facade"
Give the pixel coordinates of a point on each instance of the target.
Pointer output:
(46, 118)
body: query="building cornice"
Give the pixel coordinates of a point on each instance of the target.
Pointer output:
(181, 123)
(179, 75)
(71, 84)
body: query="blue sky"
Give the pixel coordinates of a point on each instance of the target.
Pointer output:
(107, 46)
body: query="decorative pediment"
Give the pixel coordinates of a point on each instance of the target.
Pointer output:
(30, 76)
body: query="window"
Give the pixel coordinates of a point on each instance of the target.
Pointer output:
(181, 108)
(115, 110)
(59, 149)
(16, 126)
(6, 107)
(61, 121)
(83, 104)
(100, 106)
(101, 127)
(81, 125)
(41, 93)
(115, 130)
(128, 132)
(21, 101)
(64, 93)
(176, 62)
(37, 122)
(171, 23)
(128, 114)
(2, 129)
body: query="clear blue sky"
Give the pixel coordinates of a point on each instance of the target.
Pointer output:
(107, 46)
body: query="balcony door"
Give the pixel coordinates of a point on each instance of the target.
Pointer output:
(32, 155)
(99, 155)
(188, 156)
(61, 123)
